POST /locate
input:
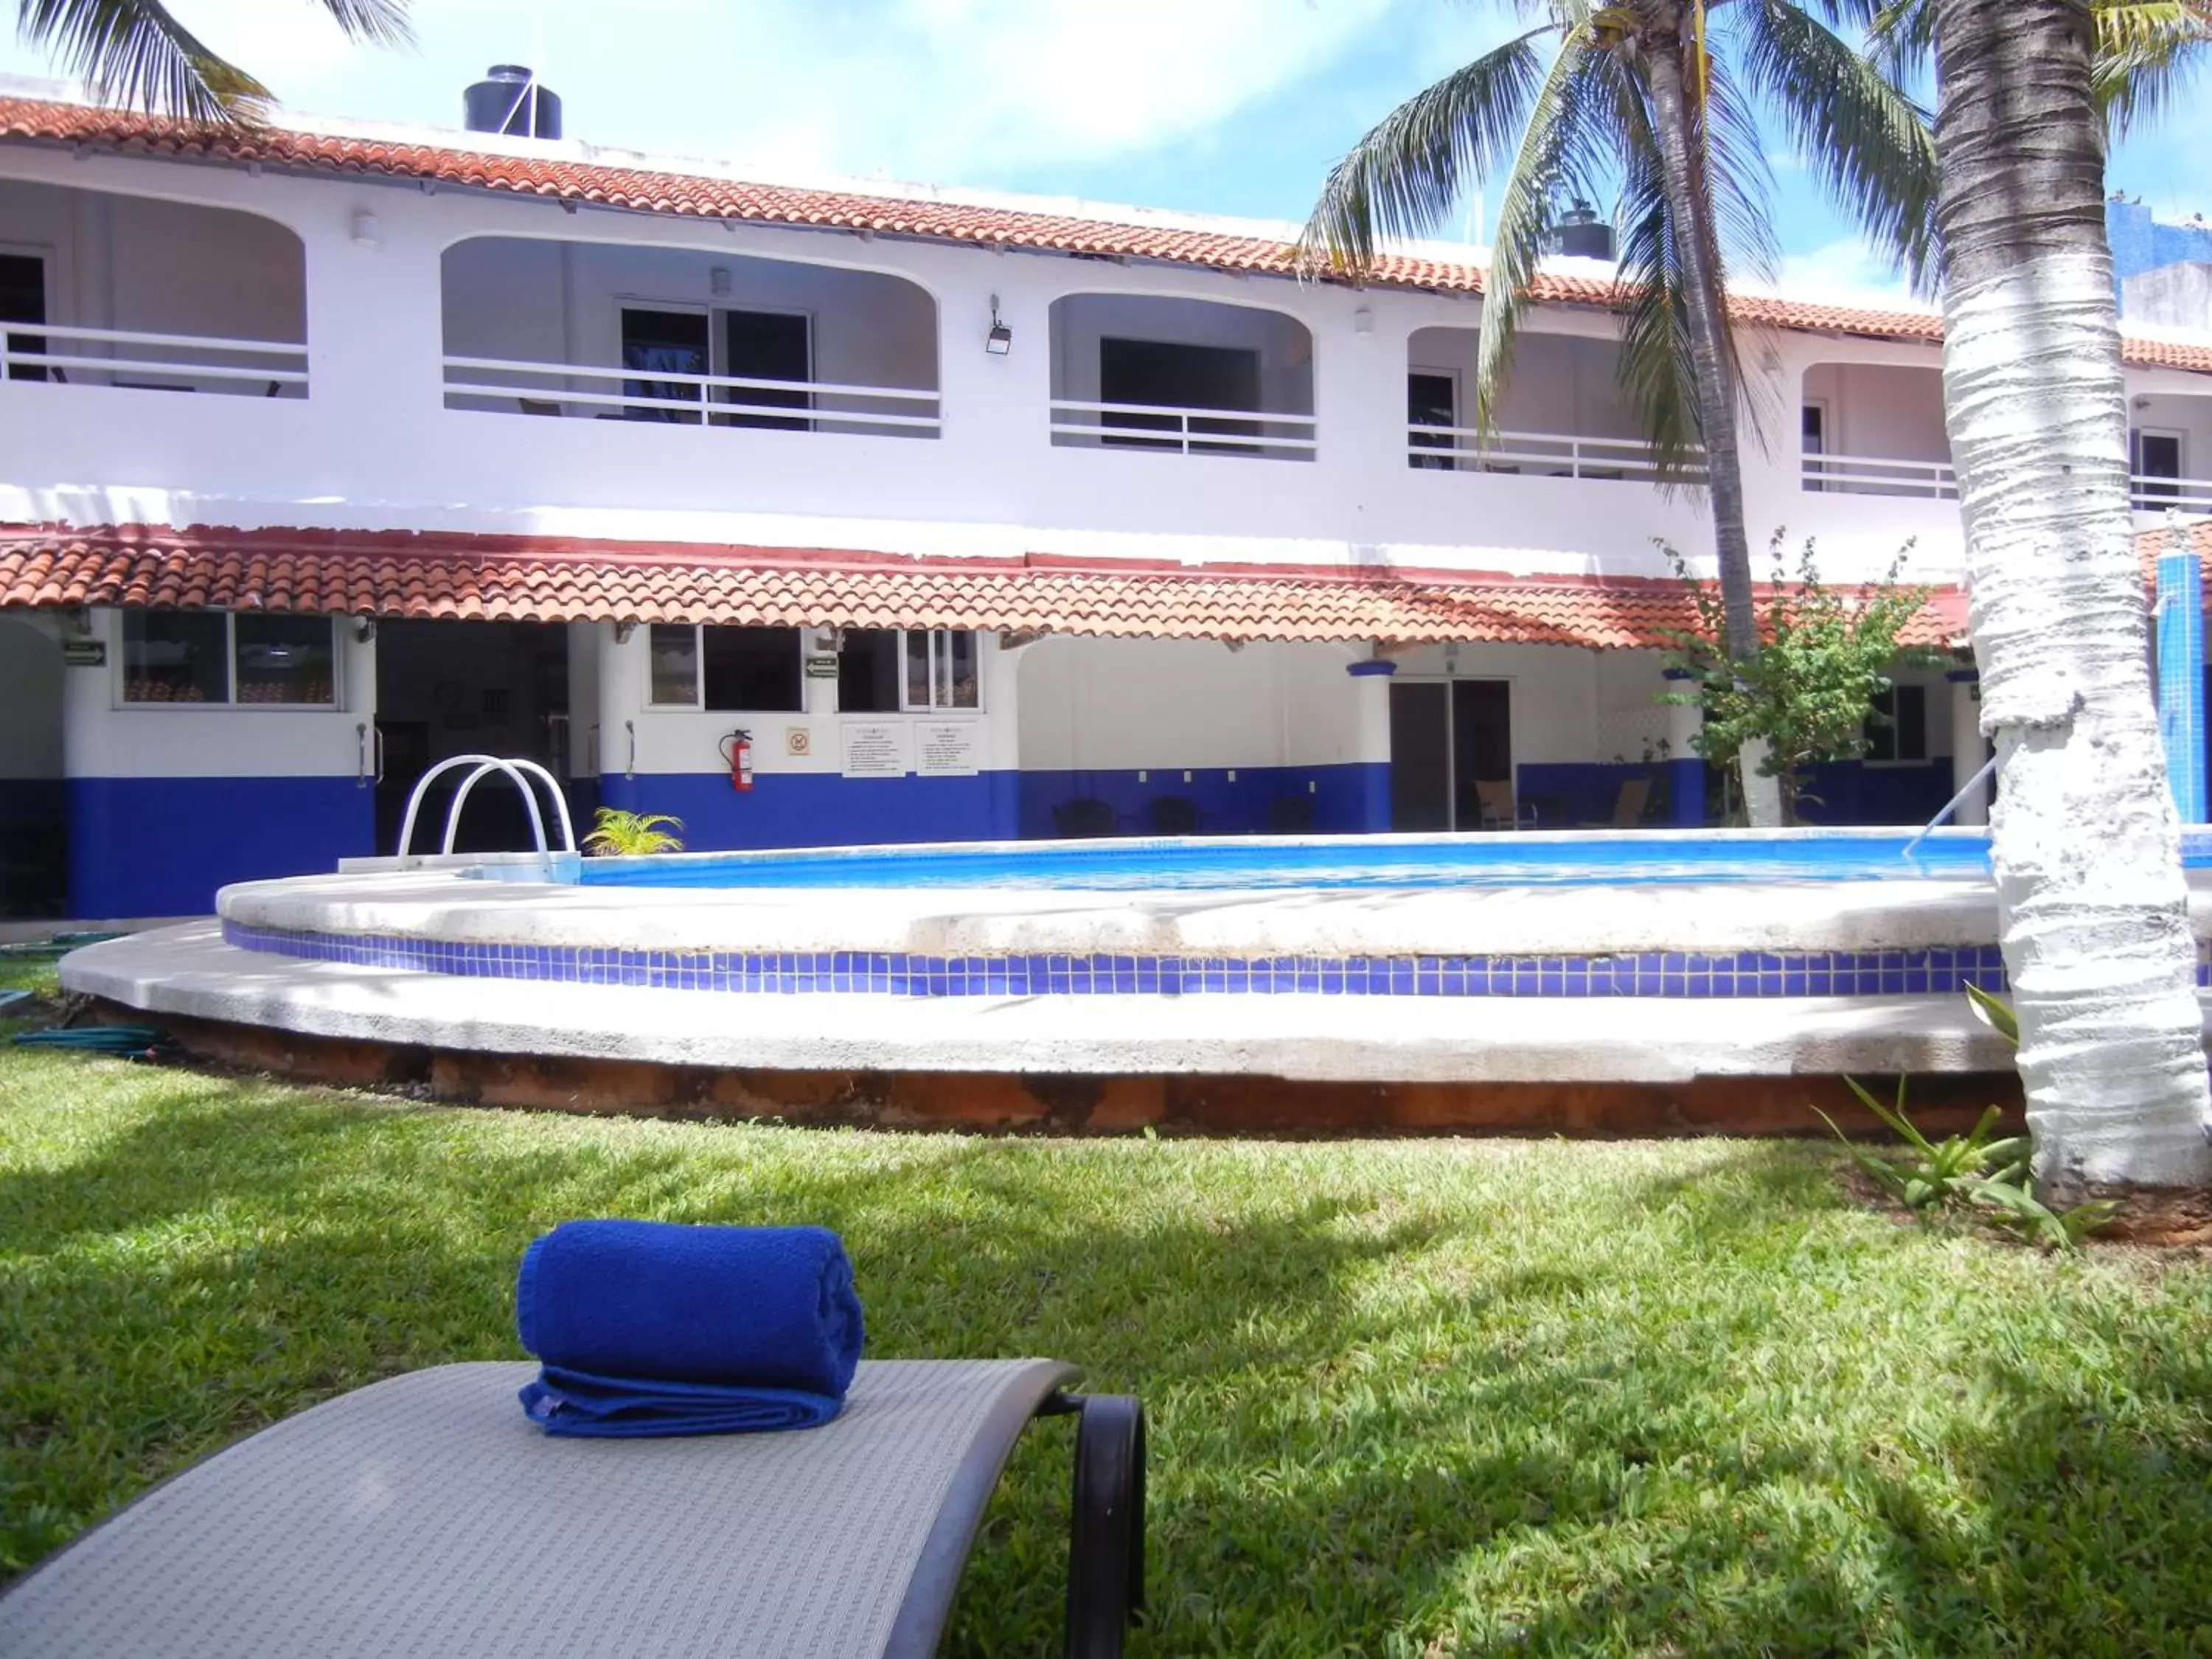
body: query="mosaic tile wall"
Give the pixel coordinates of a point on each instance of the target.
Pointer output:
(1670, 974)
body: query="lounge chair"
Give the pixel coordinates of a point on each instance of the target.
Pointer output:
(1173, 815)
(426, 1516)
(1499, 810)
(1084, 819)
(1629, 805)
(1290, 815)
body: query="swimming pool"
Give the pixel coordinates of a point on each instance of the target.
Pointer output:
(1382, 862)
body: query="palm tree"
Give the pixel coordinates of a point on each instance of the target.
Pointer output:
(135, 53)
(1652, 101)
(2084, 835)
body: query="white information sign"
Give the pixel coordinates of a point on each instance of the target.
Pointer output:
(947, 749)
(876, 749)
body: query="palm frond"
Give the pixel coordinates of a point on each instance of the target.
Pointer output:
(1553, 142)
(1869, 145)
(2148, 50)
(1407, 176)
(1655, 368)
(134, 52)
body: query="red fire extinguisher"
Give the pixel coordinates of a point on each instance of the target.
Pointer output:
(737, 751)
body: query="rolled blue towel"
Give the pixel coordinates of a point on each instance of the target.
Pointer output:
(643, 1328)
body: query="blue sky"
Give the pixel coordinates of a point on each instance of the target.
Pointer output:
(1235, 106)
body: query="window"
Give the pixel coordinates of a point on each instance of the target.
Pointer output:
(883, 671)
(725, 669)
(2154, 457)
(1812, 423)
(669, 343)
(23, 300)
(940, 670)
(215, 657)
(1164, 374)
(1897, 727)
(1431, 400)
(766, 345)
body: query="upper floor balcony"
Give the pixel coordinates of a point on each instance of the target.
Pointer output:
(593, 331)
(355, 349)
(135, 293)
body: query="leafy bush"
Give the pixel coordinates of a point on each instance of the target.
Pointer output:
(617, 834)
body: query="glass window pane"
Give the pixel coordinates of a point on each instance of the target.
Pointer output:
(917, 670)
(176, 656)
(868, 671)
(752, 669)
(675, 665)
(959, 651)
(285, 659)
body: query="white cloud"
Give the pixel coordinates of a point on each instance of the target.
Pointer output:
(1846, 272)
(940, 89)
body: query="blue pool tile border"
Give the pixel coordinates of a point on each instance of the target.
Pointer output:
(1939, 971)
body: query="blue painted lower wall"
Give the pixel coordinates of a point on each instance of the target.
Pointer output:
(1341, 799)
(813, 809)
(161, 847)
(1844, 792)
(1853, 793)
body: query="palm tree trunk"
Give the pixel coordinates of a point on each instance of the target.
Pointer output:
(1696, 249)
(2085, 842)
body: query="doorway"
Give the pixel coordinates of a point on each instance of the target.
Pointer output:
(465, 687)
(1447, 739)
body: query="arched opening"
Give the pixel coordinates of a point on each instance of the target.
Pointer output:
(136, 292)
(1874, 429)
(1184, 377)
(1563, 414)
(687, 338)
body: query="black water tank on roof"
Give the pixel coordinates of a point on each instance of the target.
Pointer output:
(1582, 235)
(508, 99)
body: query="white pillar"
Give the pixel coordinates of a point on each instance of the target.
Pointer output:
(1969, 753)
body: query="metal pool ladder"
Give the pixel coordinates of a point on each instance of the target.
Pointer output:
(521, 772)
(1950, 806)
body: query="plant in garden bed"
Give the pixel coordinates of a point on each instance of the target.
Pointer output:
(617, 834)
(1975, 1172)
(1824, 655)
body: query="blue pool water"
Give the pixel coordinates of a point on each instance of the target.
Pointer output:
(1455, 861)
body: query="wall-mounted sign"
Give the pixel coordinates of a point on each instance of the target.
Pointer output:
(876, 749)
(822, 668)
(798, 740)
(947, 749)
(84, 654)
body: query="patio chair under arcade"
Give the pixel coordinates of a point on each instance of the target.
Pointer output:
(426, 1516)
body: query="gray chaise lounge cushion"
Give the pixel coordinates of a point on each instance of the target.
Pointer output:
(426, 1516)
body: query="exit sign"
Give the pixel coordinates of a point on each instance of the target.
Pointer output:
(85, 654)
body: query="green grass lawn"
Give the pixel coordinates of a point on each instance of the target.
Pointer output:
(1416, 1398)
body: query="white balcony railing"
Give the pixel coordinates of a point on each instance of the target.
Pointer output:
(136, 360)
(1869, 474)
(1251, 432)
(1534, 455)
(1876, 474)
(502, 386)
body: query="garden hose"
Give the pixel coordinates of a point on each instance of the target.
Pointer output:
(125, 1042)
(59, 944)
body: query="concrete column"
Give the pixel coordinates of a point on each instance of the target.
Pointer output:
(623, 665)
(1685, 768)
(1969, 751)
(2181, 677)
(1371, 685)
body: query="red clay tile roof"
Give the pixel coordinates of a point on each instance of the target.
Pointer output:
(543, 579)
(690, 195)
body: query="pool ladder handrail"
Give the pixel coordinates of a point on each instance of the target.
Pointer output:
(519, 772)
(1950, 806)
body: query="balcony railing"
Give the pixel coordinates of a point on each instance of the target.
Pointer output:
(1250, 432)
(136, 360)
(1869, 474)
(1875, 475)
(1535, 454)
(501, 385)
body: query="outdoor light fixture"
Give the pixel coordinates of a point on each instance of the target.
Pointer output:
(1001, 340)
(366, 232)
(718, 280)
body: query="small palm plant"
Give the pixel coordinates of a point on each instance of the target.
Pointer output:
(617, 834)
